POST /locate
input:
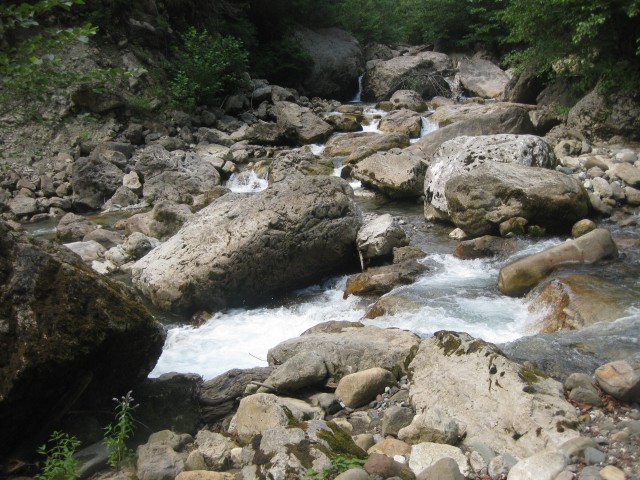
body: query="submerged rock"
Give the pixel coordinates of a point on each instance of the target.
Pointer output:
(245, 249)
(79, 337)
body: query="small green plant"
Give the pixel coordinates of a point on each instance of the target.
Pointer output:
(339, 463)
(117, 433)
(206, 68)
(59, 462)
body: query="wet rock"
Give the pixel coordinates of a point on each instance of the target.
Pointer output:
(377, 238)
(522, 275)
(383, 78)
(479, 200)
(504, 405)
(220, 395)
(391, 305)
(352, 349)
(425, 455)
(481, 77)
(575, 301)
(582, 227)
(465, 154)
(88, 349)
(345, 145)
(409, 99)
(397, 174)
(305, 226)
(402, 121)
(377, 281)
(300, 125)
(620, 379)
(337, 63)
(482, 247)
(106, 238)
(359, 388)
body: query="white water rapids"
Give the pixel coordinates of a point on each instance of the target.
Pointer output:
(453, 294)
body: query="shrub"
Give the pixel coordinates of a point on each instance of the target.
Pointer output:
(206, 68)
(117, 433)
(59, 463)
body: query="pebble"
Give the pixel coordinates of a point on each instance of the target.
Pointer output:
(612, 473)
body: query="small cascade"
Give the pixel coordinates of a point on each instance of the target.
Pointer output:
(246, 181)
(428, 126)
(457, 93)
(358, 97)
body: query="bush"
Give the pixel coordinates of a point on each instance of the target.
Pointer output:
(206, 68)
(59, 462)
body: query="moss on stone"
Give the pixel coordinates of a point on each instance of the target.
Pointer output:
(341, 442)
(531, 376)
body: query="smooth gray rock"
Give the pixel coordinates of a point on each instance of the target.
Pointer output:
(378, 237)
(479, 200)
(541, 466)
(359, 388)
(481, 77)
(298, 372)
(235, 251)
(620, 379)
(397, 174)
(353, 349)
(464, 154)
(409, 99)
(403, 121)
(300, 125)
(72, 227)
(94, 181)
(444, 469)
(395, 418)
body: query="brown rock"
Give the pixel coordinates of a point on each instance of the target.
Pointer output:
(380, 280)
(386, 467)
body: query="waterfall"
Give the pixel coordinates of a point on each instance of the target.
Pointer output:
(358, 97)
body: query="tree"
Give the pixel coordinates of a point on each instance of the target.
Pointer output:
(598, 40)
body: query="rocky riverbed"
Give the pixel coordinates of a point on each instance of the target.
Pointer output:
(558, 404)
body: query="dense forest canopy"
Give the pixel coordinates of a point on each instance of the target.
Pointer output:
(597, 41)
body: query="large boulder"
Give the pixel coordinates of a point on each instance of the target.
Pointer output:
(464, 154)
(424, 72)
(345, 145)
(520, 276)
(604, 117)
(506, 119)
(504, 405)
(300, 125)
(244, 249)
(74, 336)
(94, 180)
(479, 200)
(397, 174)
(176, 176)
(403, 121)
(481, 77)
(337, 63)
(378, 237)
(350, 349)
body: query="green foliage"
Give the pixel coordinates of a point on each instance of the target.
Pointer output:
(339, 464)
(379, 21)
(206, 68)
(283, 62)
(59, 462)
(117, 433)
(597, 40)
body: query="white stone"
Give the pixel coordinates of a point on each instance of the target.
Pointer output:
(423, 455)
(541, 466)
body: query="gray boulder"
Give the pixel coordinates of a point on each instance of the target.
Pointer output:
(300, 125)
(522, 275)
(345, 145)
(95, 342)
(397, 174)
(423, 71)
(352, 348)
(378, 237)
(22, 206)
(298, 372)
(94, 181)
(479, 200)
(409, 99)
(238, 250)
(359, 388)
(402, 121)
(505, 119)
(481, 77)
(464, 154)
(72, 227)
(504, 405)
(337, 63)
(620, 379)
(163, 456)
